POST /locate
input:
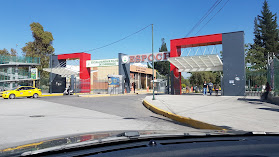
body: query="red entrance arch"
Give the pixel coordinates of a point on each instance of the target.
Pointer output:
(177, 44)
(84, 72)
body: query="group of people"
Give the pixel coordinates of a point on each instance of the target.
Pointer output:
(210, 88)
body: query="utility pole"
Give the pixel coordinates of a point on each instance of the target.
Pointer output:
(50, 80)
(152, 65)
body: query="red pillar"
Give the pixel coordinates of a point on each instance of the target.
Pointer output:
(176, 52)
(84, 74)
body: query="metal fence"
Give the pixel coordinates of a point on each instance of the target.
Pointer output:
(256, 79)
(82, 86)
(5, 59)
(255, 82)
(273, 75)
(100, 86)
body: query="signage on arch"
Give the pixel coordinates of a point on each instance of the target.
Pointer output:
(159, 56)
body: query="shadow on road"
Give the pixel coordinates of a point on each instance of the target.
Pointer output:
(252, 101)
(270, 109)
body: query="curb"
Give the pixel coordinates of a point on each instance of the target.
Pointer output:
(105, 95)
(185, 120)
(51, 95)
(100, 95)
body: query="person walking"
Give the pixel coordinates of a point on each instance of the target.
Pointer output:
(210, 87)
(134, 85)
(204, 88)
(217, 89)
(267, 88)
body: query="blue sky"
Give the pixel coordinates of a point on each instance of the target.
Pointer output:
(86, 24)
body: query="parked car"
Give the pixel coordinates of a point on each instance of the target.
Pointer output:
(23, 91)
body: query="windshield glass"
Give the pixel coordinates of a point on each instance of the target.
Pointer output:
(114, 66)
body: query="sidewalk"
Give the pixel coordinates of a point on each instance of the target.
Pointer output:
(228, 112)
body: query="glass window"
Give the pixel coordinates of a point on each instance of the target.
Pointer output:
(28, 88)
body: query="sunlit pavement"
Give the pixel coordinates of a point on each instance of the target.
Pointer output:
(26, 119)
(229, 112)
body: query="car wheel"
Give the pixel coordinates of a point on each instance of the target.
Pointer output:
(35, 95)
(12, 96)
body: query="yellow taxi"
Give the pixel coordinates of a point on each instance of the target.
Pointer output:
(23, 91)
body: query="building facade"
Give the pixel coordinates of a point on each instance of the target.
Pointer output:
(17, 70)
(141, 76)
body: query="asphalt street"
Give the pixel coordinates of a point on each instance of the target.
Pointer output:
(128, 107)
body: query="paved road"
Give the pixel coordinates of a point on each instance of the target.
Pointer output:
(128, 107)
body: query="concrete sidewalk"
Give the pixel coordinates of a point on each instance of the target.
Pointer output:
(237, 113)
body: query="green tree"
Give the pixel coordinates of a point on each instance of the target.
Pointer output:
(40, 47)
(266, 38)
(13, 52)
(255, 56)
(185, 81)
(162, 67)
(266, 34)
(198, 78)
(7, 53)
(4, 52)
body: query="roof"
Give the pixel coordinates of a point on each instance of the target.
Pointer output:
(197, 63)
(63, 71)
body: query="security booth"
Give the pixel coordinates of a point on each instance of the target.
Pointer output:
(160, 85)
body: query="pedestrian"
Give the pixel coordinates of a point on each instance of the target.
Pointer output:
(267, 88)
(134, 87)
(204, 88)
(210, 87)
(217, 89)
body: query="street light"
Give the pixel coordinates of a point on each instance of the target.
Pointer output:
(152, 65)
(50, 80)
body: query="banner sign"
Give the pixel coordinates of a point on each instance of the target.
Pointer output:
(101, 63)
(34, 73)
(113, 81)
(142, 58)
(159, 56)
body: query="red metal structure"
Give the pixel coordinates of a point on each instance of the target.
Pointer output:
(84, 72)
(177, 44)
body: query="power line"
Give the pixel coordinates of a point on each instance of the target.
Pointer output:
(212, 17)
(203, 18)
(118, 40)
(217, 2)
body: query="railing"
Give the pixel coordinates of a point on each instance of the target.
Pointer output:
(18, 59)
(256, 79)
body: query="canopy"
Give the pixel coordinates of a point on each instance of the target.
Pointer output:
(197, 63)
(63, 71)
